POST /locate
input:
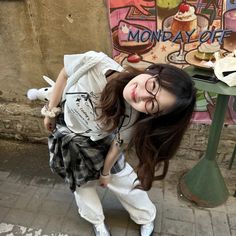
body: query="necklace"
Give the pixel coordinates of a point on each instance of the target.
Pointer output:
(119, 141)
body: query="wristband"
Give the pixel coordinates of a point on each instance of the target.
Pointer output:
(105, 176)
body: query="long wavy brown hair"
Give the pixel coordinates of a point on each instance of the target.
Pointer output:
(157, 137)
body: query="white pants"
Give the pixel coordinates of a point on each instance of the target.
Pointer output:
(135, 201)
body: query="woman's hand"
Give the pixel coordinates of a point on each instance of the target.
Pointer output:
(55, 98)
(104, 180)
(49, 123)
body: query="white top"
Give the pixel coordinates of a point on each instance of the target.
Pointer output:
(86, 81)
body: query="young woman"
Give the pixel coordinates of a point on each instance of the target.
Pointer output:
(107, 109)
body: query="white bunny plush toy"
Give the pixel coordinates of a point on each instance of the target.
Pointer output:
(42, 94)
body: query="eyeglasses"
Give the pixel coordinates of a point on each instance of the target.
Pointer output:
(152, 86)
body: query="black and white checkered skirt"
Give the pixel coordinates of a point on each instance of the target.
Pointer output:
(77, 158)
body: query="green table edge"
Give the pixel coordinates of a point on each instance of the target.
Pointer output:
(219, 87)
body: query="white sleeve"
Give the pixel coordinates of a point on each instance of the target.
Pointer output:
(74, 61)
(109, 64)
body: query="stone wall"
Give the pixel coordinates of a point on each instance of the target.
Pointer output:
(21, 120)
(34, 37)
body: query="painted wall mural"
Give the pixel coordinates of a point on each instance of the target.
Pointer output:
(178, 32)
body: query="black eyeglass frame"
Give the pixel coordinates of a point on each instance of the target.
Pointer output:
(157, 77)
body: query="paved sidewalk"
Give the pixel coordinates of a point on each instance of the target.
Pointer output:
(33, 201)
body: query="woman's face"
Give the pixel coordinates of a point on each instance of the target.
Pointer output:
(145, 95)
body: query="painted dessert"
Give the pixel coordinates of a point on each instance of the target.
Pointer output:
(123, 35)
(185, 20)
(230, 20)
(206, 51)
(134, 58)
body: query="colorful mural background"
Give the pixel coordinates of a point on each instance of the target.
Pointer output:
(153, 20)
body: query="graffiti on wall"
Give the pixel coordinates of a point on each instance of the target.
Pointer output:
(178, 32)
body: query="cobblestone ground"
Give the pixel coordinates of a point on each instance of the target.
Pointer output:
(34, 202)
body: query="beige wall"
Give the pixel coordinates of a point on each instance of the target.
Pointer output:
(36, 34)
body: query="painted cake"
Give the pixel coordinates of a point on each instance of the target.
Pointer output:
(123, 32)
(185, 20)
(230, 20)
(206, 50)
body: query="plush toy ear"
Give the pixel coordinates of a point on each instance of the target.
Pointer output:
(48, 80)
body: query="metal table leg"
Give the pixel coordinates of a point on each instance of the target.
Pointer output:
(204, 184)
